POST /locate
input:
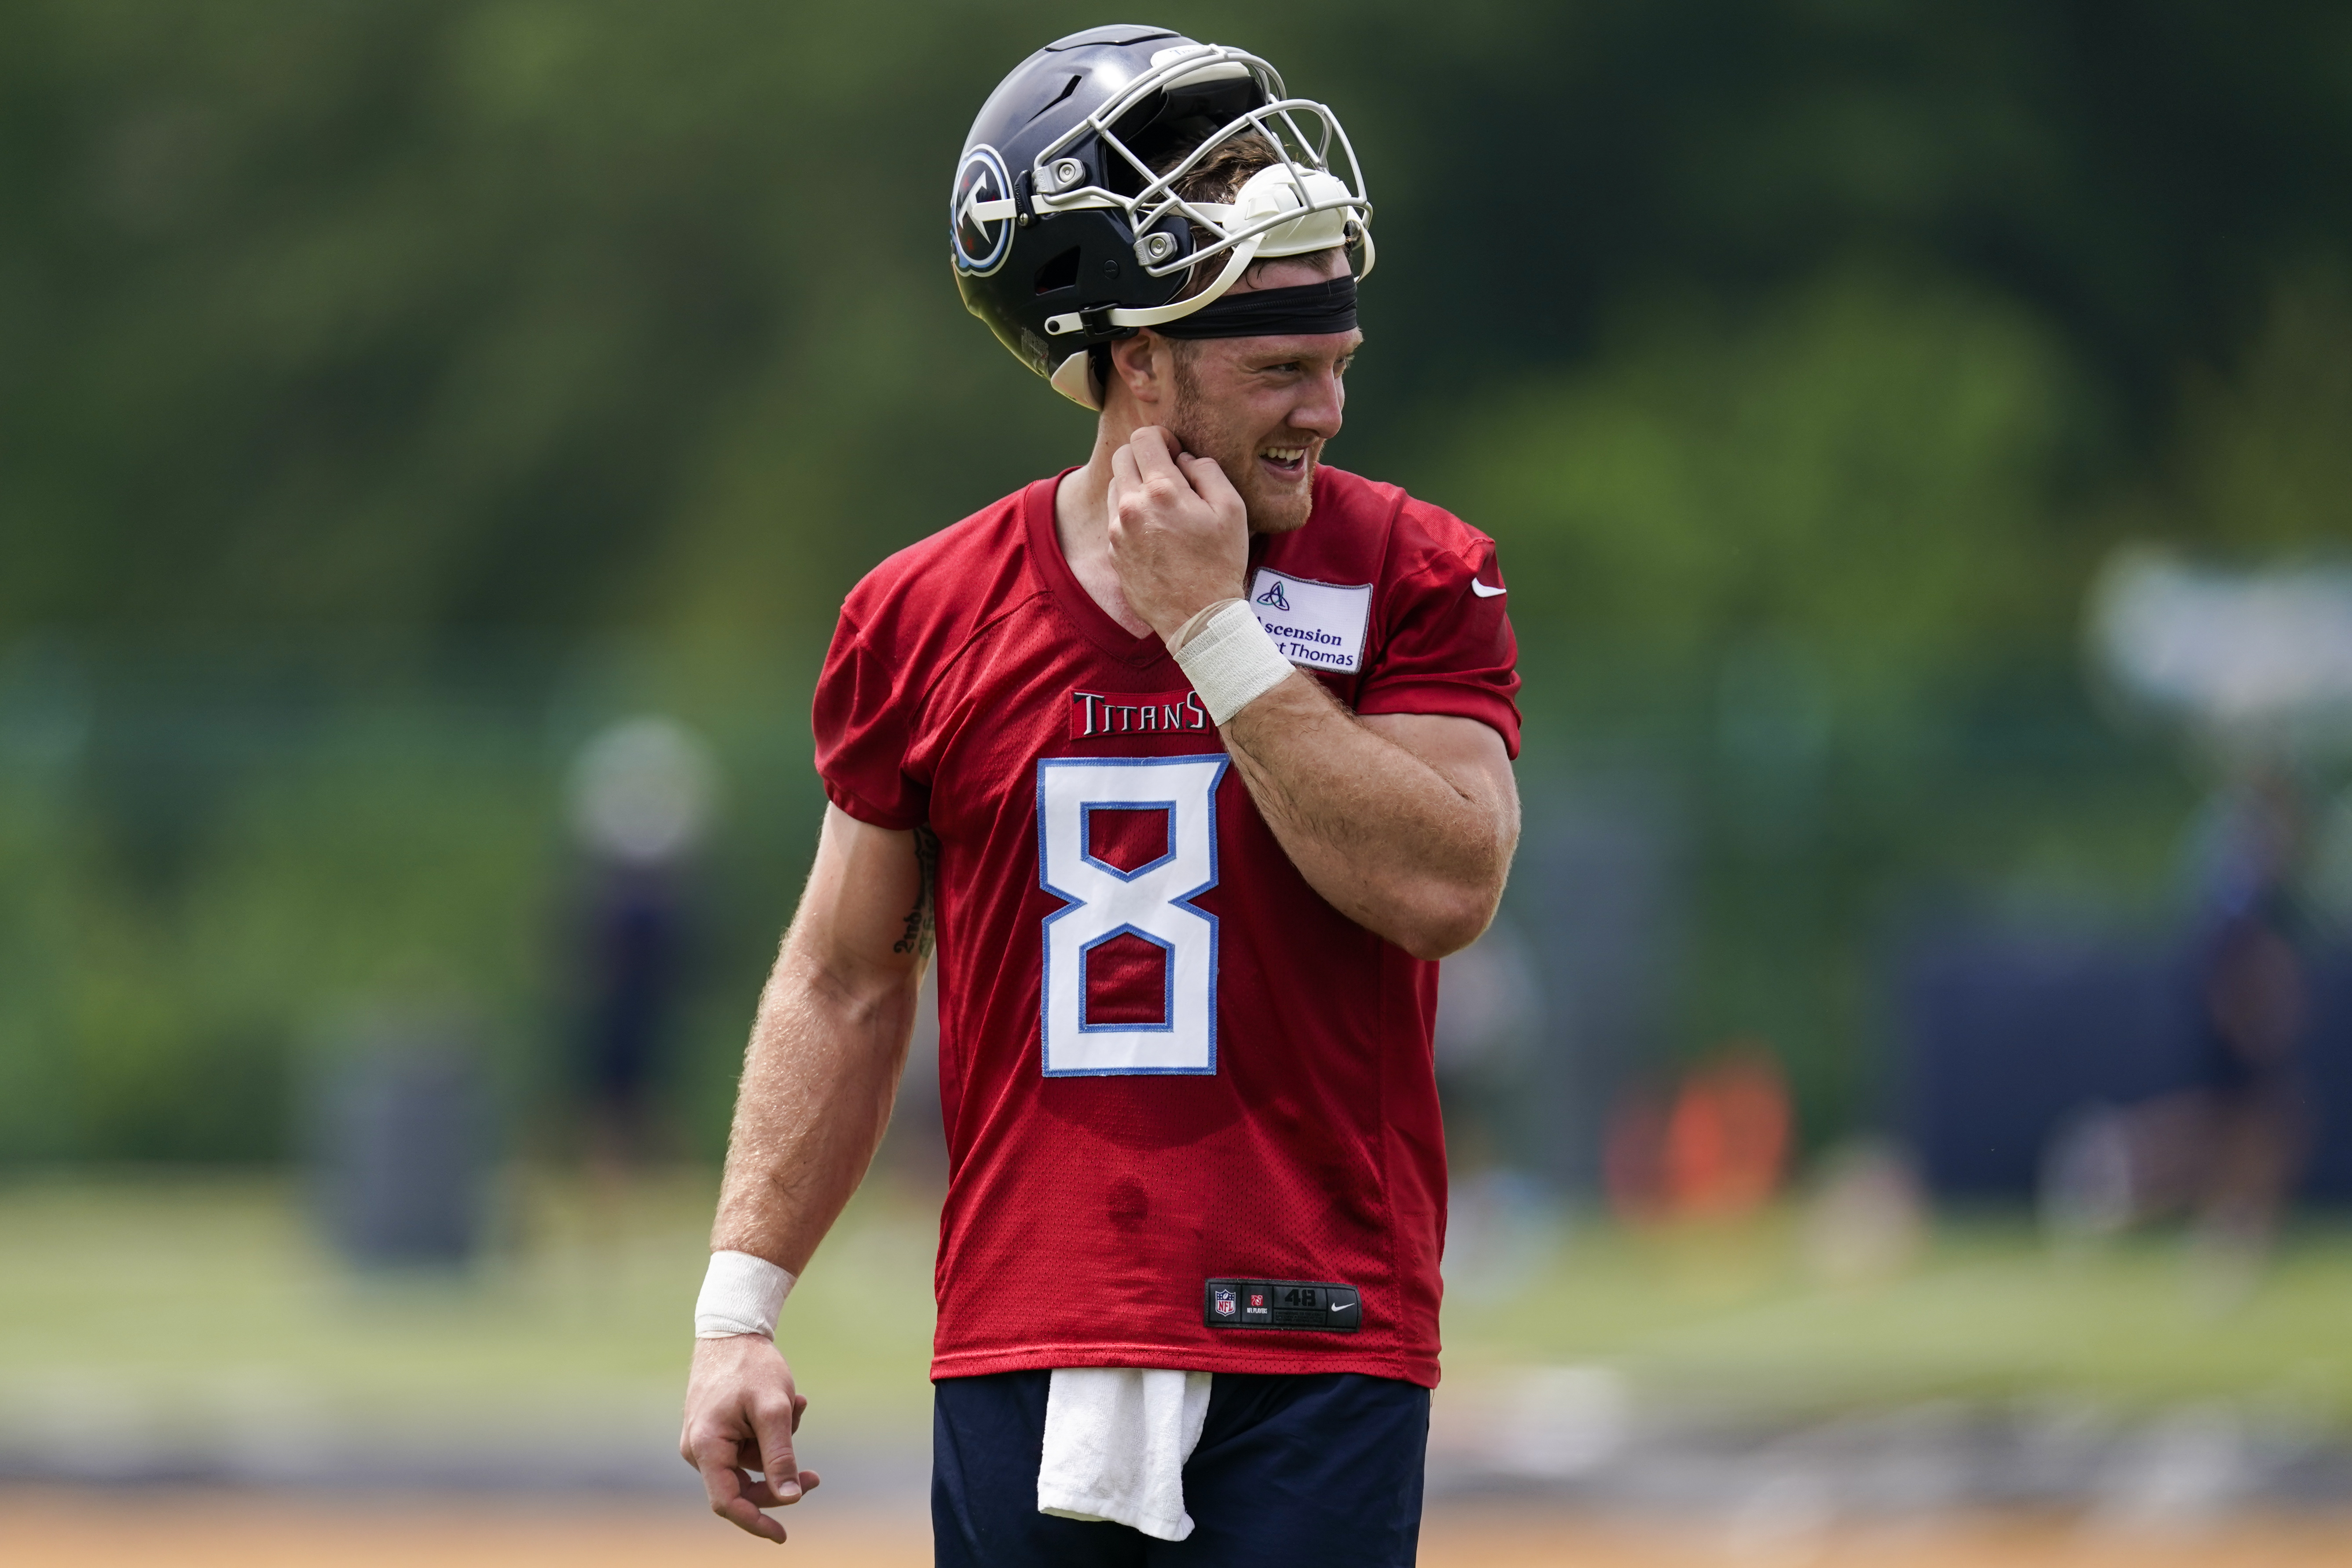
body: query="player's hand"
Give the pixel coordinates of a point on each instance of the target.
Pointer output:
(1179, 530)
(741, 1411)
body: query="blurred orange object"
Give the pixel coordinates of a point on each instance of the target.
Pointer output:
(1719, 1150)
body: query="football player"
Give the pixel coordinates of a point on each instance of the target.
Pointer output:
(1191, 761)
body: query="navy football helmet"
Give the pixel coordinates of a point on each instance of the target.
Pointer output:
(1064, 227)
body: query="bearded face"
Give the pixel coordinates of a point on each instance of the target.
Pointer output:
(1262, 408)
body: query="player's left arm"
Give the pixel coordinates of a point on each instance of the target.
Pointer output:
(1404, 822)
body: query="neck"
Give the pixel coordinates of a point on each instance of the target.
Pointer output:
(1082, 518)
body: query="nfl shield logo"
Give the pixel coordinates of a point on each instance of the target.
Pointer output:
(1224, 1302)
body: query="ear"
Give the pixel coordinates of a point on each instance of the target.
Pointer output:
(1144, 367)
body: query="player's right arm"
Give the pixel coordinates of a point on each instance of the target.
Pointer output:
(818, 1079)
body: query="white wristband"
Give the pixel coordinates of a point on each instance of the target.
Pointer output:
(740, 1295)
(1231, 661)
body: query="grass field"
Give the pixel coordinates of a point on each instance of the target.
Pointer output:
(142, 1312)
(190, 1297)
(175, 1293)
(1730, 1317)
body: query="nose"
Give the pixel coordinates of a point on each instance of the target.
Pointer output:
(1321, 397)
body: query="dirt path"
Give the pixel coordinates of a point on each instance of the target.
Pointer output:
(92, 1529)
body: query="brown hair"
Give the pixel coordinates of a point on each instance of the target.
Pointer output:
(1219, 177)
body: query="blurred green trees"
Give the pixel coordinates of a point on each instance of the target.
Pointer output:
(388, 389)
(461, 313)
(1868, 467)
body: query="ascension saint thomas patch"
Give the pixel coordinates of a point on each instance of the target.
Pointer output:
(1315, 625)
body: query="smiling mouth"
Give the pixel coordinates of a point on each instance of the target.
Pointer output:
(1285, 462)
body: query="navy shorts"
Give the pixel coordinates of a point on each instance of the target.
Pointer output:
(1329, 1462)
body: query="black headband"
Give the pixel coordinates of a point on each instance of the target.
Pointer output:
(1308, 309)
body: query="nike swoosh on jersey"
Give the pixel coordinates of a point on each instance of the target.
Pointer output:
(1483, 592)
(1343, 1306)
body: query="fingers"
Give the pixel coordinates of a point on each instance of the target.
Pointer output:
(772, 1422)
(1123, 478)
(729, 1490)
(1159, 437)
(1154, 451)
(1145, 469)
(1158, 455)
(1208, 477)
(741, 1411)
(762, 1492)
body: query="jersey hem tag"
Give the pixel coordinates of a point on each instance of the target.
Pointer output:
(1315, 1305)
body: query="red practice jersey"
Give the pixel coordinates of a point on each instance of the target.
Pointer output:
(1165, 1060)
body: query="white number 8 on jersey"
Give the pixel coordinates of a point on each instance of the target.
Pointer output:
(1150, 901)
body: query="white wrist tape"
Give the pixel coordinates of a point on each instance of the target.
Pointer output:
(1195, 622)
(740, 1295)
(1231, 661)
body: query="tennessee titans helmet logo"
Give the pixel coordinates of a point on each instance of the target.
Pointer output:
(979, 228)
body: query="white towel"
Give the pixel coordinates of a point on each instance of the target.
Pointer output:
(1115, 1441)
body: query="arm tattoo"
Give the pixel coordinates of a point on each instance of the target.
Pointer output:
(919, 933)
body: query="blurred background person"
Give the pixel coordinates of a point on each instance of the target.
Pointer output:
(2224, 1147)
(642, 794)
(2251, 1007)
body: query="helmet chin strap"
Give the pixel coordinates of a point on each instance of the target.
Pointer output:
(1237, 262)
(1073, 378)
